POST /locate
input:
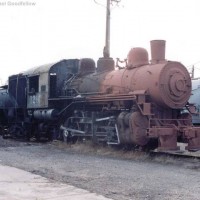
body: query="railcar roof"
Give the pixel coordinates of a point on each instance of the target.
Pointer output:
(38, 70)
(45, 68)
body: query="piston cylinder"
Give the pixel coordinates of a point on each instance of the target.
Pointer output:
(49, 114)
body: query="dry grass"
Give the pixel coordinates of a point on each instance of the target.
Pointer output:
(88, 147)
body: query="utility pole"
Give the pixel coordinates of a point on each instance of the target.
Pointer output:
(106, 51)
(106, 62)
(192, 73)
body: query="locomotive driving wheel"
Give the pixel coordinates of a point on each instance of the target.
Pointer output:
(138, 125)
(17, 131)
(68, 136)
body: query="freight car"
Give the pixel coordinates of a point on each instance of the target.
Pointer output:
(195, 100)
(135, 105)
(5, 102)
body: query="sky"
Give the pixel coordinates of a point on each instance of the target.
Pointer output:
(36, 32)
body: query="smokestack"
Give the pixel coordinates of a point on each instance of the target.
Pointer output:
(157, 51)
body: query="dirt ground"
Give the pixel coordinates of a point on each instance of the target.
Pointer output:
(115, 174)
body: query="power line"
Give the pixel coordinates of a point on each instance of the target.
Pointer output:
(99, 3)
(198, 62)
(111, 2)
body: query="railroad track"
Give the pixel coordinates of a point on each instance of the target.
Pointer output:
(179, 153)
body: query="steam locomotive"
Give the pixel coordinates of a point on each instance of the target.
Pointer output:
(140, 104)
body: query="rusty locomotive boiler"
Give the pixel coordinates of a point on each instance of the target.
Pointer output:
(139, 105)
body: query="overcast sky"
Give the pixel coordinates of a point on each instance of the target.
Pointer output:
(51, 30)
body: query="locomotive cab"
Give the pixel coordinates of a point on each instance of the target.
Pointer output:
(45, 82)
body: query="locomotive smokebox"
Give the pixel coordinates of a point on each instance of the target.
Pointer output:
(157, 51)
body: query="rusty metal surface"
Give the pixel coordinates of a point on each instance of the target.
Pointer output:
(168, 83)
(157, 51)
(111, 97)
(138, 124)
(137, 57)
(167, 137)
(132, 128)
(193, 136)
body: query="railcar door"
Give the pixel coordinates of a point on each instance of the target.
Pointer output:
(38, 91)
